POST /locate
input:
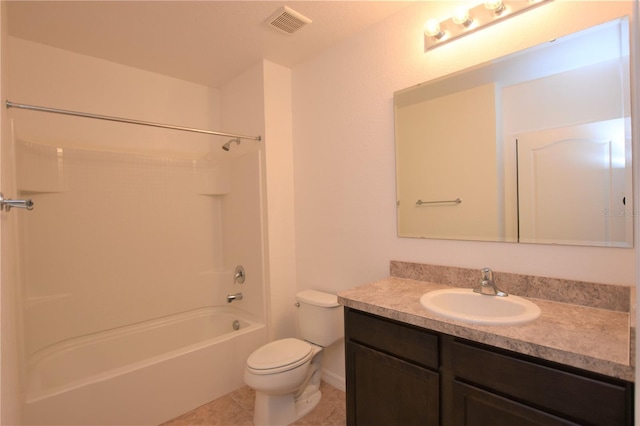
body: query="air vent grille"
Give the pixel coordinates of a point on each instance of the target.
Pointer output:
(287, 20)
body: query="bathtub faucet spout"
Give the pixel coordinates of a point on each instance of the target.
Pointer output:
(232, 297)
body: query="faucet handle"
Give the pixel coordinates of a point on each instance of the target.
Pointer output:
(487, 286)
(487, 274)
(239, 275)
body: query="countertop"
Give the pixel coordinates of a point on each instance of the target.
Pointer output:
(593, 339)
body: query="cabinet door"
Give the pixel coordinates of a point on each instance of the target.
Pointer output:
(384, 390)
(476, 407)
(575, 395)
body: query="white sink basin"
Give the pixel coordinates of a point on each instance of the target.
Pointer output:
(465, 305)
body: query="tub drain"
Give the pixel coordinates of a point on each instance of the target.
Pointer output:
(236, 325)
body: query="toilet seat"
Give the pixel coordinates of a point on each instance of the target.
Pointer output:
(279, 355)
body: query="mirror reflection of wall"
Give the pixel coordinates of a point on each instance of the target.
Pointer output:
(536, 145)
(474, 152)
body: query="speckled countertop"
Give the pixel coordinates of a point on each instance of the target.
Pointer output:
(593, 339)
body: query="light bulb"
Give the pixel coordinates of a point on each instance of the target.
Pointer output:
(496, 6)
(432, 29)
(461, 17)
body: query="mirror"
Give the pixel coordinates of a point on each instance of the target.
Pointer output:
(534, 147)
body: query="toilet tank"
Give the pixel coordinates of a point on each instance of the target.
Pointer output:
(320, 317)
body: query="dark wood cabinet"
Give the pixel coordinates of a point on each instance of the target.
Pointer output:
(477, 407)
(572, 394)
(391, 391)
(398, 374)
(392, 373)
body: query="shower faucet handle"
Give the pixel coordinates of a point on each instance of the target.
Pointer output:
(240, 275)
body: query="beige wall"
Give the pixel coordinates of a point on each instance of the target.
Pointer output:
(9, 387)
(56, 78)
(344, 152)
(279, 178)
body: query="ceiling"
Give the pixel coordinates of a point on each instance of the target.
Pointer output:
(206, 42)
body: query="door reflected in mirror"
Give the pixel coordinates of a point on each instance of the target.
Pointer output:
(534, 147)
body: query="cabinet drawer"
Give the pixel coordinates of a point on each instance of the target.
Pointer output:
(404, 341)
(585, 399)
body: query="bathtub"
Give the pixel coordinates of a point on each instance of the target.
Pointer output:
(141, 374)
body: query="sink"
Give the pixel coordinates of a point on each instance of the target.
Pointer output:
(464, 305)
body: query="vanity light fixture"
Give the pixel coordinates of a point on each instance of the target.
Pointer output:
(461, 17)
(467, 20)
(496, 6)
(432, 29)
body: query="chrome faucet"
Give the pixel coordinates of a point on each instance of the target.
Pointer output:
(487, 286)
(232, 297)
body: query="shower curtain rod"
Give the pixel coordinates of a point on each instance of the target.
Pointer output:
(128, 121)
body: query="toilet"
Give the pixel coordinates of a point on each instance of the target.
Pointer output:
(286, 373)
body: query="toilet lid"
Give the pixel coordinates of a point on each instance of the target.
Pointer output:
(288, 353)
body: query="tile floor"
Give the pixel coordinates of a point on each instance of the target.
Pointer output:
(236, 409)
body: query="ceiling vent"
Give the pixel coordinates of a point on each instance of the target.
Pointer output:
(287, 20)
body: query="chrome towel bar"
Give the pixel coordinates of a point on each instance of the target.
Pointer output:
(456, 201)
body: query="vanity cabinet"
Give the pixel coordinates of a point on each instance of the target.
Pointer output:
(399, 374)
(392, 373)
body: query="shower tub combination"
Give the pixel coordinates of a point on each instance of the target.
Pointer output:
(142, 374)
(95, 353)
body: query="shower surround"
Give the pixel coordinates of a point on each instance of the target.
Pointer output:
(119, 259)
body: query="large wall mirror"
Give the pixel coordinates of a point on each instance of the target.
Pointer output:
(534, 147)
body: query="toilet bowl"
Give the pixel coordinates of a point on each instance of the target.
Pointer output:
(286, 373)
(280, 366)
(287, 387)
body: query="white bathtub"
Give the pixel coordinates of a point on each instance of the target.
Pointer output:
(142, 374)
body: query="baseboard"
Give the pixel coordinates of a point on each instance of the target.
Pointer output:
(334, 380)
